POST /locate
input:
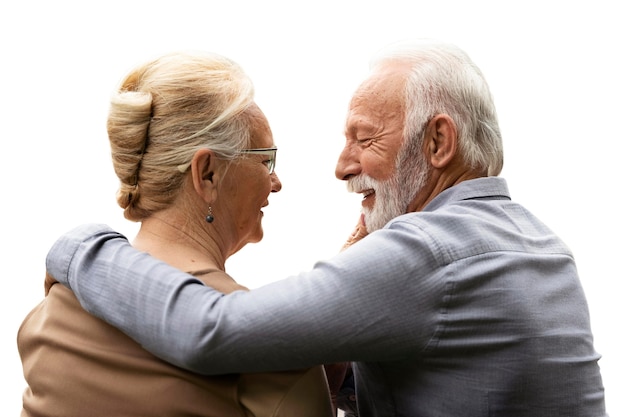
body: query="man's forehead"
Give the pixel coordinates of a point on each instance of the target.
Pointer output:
(357, 122)
(370, 108)
(382, 87)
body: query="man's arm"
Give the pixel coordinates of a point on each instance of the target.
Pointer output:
(342, 310)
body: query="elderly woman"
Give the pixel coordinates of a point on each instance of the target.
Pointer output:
(195, 158)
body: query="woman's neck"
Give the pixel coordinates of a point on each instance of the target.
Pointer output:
(179, 244)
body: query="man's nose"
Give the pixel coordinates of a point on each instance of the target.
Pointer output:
(348, 164)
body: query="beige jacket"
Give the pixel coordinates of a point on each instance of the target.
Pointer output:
(78, 365)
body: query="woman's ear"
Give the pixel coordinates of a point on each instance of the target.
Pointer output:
(204, 174)
(441, 140)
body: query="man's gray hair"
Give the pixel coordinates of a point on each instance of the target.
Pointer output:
(444, 80)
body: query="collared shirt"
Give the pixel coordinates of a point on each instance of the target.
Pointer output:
(471, 307)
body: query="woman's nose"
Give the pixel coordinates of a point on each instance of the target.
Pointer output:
(276, 184)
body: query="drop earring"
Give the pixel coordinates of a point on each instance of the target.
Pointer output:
(209, 217)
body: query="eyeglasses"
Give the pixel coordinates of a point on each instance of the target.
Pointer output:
(270, 163)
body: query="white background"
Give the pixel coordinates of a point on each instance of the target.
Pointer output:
(556, 69)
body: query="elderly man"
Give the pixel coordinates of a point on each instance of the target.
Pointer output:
(459, 302)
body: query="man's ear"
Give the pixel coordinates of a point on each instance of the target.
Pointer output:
(204, 174)
(441, 140)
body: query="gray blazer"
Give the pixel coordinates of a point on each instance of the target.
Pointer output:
(471, 307)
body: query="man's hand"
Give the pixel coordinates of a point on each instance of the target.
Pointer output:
(49, 282)
(360, 231)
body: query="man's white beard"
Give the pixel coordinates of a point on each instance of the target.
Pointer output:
(393, 195)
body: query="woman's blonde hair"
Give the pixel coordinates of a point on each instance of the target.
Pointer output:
(166, 110)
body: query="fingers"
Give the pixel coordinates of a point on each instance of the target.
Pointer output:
(359, 232)
(49, 282)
